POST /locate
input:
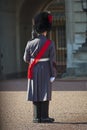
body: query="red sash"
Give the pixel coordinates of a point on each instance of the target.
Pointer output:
(39, 55)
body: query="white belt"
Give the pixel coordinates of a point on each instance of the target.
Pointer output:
(41, 60)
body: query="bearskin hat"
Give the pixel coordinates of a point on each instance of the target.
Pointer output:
(42, 22)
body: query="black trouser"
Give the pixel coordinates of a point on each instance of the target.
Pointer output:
(41, 110)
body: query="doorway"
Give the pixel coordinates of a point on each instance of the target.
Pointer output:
(58, 33)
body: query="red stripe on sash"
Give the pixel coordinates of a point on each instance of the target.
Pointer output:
(37, 58)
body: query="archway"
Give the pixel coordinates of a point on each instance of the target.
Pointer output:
(58, 33)
(27, 11)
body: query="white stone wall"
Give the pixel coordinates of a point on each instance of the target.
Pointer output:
(79, 52)
(79, 19)
(69, 32)
(75, 31)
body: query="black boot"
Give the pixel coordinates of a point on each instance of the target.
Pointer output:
(45, 113)
(36, 112)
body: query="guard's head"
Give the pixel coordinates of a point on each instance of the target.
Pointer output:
(42, 22)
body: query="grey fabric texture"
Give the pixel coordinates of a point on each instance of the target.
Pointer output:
(39, 87)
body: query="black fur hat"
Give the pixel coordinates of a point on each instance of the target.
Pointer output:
(42, 22)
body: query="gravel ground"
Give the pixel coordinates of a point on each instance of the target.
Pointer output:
(69, 108)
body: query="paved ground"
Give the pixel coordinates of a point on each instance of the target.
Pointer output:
(68, 106)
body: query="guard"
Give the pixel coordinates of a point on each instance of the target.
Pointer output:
(40, 55)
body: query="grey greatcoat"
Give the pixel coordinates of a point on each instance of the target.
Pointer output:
(39, 88)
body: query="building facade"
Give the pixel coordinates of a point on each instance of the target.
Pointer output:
(68, 32)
